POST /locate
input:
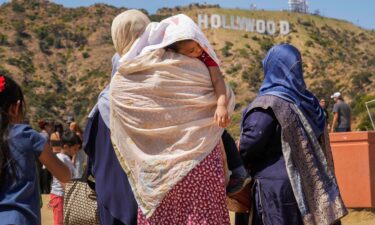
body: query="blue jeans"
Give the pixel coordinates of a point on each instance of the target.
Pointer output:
(338, 129)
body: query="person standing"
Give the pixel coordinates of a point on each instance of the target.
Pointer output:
(322, 104)
(285, 144)
(111, 179)
(162, 128)
(341, 114)
(45, 176)
(20, 147)
(70, 147)
(79, 159)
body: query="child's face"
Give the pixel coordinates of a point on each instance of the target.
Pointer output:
(71, 150)
(190, 48)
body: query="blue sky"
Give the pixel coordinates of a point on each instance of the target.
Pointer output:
(359, 12)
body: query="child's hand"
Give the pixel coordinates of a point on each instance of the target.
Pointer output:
(221, 116)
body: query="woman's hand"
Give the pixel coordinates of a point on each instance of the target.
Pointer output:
(221, 116)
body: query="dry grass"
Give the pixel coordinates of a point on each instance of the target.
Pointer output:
(47, 214)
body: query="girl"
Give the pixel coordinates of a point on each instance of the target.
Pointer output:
(79, 159)
(239, 177)
(20, 146)
(193, 49)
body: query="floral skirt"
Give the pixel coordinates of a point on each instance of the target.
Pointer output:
(199, 198)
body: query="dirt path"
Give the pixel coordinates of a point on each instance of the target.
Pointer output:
(47, 214)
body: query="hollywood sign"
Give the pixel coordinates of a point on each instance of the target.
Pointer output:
(216, 21)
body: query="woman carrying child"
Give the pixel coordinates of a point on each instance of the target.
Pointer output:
(20, 147)
(164, 127)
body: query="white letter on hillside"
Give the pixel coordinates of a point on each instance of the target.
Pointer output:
(215, 21)
(241, 21)
(232, 23)
(250, 24)
(203, 19)
(224, 22)
(271, 27)
(261, 26)
(284, 27)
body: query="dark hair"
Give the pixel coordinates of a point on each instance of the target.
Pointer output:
(177, 45)
(10, 93)
(59, 128)
(70, 138)
(42, 124)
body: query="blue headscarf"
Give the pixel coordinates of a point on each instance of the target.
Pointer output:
(283, 77)
(103, 99)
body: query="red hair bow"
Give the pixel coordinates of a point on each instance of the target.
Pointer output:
(2, 83)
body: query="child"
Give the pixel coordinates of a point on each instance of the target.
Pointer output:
(192, 49)
(71, 144)
(20, 147)
(239, 177)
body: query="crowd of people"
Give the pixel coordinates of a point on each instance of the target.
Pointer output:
(66, 144)
(156, 140)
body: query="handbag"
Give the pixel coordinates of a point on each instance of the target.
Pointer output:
(80, 206)
(241, 202)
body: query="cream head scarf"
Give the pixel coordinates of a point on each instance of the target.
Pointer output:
(126, 28)
(162, 109)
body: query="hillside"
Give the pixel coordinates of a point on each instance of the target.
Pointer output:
(62, 55)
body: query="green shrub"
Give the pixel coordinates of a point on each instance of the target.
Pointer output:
(359, 106)
(226, 51)
(305, 23)
(371, 62)
(234, 69)
(3, 70)
(245, 75)
(360, 80)
(85, 55)
(243, 53)
(229, 44)
(309, 43)
(44, 47)
(233, 85)
(3, 39)
(266, 44)
(17, 8)
(24, 63)
(19, 41)
(255, 76)
(32, 17)
(323, 88)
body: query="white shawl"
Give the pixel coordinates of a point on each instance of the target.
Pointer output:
(162, 108)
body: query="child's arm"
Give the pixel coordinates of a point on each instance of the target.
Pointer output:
(221, 114)
(54, 165)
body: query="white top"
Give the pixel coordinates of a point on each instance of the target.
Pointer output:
(56, 186)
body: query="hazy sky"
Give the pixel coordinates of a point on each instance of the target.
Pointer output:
(360, 12)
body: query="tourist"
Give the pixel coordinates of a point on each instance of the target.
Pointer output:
(285, 144)
(341, 114)
(20, 147)
(163, 128)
